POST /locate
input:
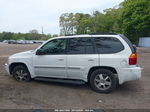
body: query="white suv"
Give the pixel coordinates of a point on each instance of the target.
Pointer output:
(102, 60)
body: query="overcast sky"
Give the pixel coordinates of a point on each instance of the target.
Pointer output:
(25, 15)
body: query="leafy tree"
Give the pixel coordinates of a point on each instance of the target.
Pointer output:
(34, 35)
(112, 16)
(136, 18)
(67, 23)
(33, 31)
(131, 17)
(84, 24)
(22, 36)
(6, 36)
(98, 22)
(46, 37)
(74, 23)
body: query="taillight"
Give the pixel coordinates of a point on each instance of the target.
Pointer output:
(133, 59)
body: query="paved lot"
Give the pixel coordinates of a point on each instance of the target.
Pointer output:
(37, 94)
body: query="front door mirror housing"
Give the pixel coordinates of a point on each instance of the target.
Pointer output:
(40, 52)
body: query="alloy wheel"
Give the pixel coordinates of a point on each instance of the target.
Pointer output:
(102, 81)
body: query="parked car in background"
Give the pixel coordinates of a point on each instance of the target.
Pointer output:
(5, 41)
(12, 42)
(23, 41)
(38, 41)
(102, 60)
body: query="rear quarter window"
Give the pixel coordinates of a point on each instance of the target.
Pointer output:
(108, 45)
(129, 43)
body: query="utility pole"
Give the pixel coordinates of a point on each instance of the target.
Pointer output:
(42, 30)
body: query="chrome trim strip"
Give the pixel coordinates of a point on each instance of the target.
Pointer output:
(77, 68)
(50, 67)
(58, 67)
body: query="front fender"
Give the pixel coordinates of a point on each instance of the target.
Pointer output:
(26, 61)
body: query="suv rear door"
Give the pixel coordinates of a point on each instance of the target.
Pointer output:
(111, 51)
(81, 56)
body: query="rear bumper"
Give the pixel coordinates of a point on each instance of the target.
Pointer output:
(129, 74)
(7, 68)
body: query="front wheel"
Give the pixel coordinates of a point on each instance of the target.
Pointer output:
(103, 81)
(21, 73)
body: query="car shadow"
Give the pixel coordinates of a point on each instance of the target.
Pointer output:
(128, 87)
(61, 84)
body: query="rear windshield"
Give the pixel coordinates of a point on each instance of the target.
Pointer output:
(129, 43)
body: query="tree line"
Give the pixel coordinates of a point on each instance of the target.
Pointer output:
(131, 18)
(32, 35)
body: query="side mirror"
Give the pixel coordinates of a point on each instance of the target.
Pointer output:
(40, 52)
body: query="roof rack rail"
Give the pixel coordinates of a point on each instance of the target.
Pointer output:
(69, 34)
(102, 34)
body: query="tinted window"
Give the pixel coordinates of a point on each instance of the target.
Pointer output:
(57, 46)
(129, 43)
(80, 46)
(108, 45)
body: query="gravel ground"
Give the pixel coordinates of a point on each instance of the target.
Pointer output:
(46, 95)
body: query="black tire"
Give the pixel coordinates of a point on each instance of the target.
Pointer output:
(21, 73)
(105, 85)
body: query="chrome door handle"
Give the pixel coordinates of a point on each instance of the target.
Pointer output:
(60, 59)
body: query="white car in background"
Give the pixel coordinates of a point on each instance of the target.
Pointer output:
(102, 60)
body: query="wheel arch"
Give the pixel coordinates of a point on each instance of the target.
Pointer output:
(13, 65)
(112, 69)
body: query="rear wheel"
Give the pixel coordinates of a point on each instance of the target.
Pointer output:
(103, 81)
(21, 73)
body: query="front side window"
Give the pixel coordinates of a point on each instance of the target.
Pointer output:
(81, 46)
(56, 46)
(108, 45)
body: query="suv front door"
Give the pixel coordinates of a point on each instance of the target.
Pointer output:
(53, 62)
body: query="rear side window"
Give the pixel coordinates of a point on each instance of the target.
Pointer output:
(108, 45)
(81, 46)
(129, 43)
